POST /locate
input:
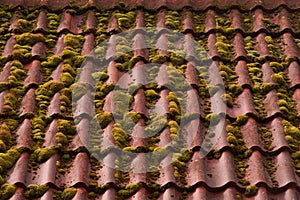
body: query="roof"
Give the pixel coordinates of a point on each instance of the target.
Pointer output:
(47, 153)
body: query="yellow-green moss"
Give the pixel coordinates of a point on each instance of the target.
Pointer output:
(129, 190)
(7, 191)
(29, 38)
(61, 138)
(43, 154)
(5, 134)
(68, 193)
(251, 190)
(79, 89)
(120, 136)
(104, 118)
(35, 191)
(241, 120)
(52, 61)
(66, 126)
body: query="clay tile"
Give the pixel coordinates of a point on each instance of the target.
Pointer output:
(9, 47)
(278, 137)
(140, 20)
(42, 22)
(290, 48)
(262, 46)
(193, 103)
(211, 44)
(50, 134)
(2, 95)
(236, 19)
(48, 194)
(28, 104)
(296, 97)
(258, 23)
(85, 105)
(14, 24)
(139, 168)
(24, 131)
(162, 76)
(34, 76)
(162, 105)
(18, 174)
(70, 23)
(111, 49)
(193, 132)
(88, 45)
(188, 22)
(139, 105)
(138, 135)
(162, 44)
(47, 171)
(113, 24)
(113, 73)
(270, 104)
(189, 46)
(167, 171)
(54, 107)
(139, 46)
(294, 73)
(161, 20)
(84, 132)
(210, 22)
(109, 194)
(191, 74)
(60, 45)
(242, 73)
(285, 173)
(139, 73)
(81, 194)
(284, 20)
(238, 43)
(80, 170)
(267, 73)
(5, 72)
(19, 194)
(39, 49)
(256, 172)
(86, 74)
(140, 194)
(243, 105)
(250, 134)
(107, 172)
(91, 22)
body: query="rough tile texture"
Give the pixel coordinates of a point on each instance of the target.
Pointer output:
(254, 46)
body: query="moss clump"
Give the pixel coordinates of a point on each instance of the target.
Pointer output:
(120, 136)
(29, 38)
(49, 88)
(100, 76)
(43, 154)
(213, 119)
(5, 134)
(174, 127)
(104, 118)
(2, 146)
(251, 190)
(7, 191)
(134, 116)
(241, 120)
(66, 126)
(68, 193)
(61, 138)
(67, 78)
(160, 59)
(125, 20)
(8, 159)
(74, 41)
(52, 61)
(35, 191)
(129, 190)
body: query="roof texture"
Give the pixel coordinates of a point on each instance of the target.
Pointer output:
(254, 44)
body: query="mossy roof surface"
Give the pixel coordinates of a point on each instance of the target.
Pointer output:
(47, 153)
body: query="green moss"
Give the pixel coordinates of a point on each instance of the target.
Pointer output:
(129, 190)
(267, 87)
(43, 154)
(61, 138)
(174, 108)
(5, 134)
(104, 118)
(7, 191)
(241, 120)
(49, 88)
(35, 191)
(251, 190)
(74, 41)
(158, 59)
(68, 193)
(8, 159)
(52, 61)
(174, 127)
(29, 38)
(120, 136)
(67, 78)
(2, 147)
(66, 126)
(3, 86)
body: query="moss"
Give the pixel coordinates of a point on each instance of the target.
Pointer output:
(267, 87)
(158, 123)
(134, 116)
(120, 136)
(174, 127)
(68, 193)
(49, 88)
(104, 118)
(74, 41)
(100, 76)
(66, 126)
(2, 147)
(5, 134)
(251, 190)
(29, 38)
(7, 191)
(213, 119)
(129, 190)
(52, 61)
(35, 191)
(158, 59)
(3, 86)
(173, 108)
(241, 120)
(43, 154)
(8, 159)
(67, 78)
(61, 138)
(228, 99)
